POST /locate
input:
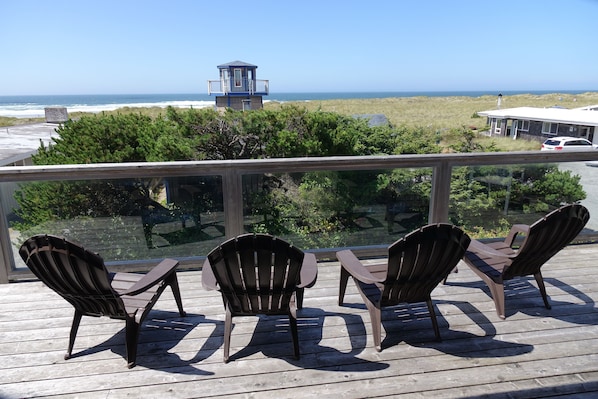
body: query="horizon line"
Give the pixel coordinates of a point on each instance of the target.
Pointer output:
(489, 91)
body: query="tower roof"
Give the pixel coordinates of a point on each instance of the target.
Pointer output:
(236, 64)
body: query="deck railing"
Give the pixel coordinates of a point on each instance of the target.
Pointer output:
(230, 175)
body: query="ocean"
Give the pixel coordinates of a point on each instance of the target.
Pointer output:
(33, 106)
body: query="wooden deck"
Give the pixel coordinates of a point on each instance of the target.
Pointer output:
(534, 353)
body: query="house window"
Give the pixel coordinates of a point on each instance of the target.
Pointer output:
(497, 125)
(523, 125)
(550, 128)
(238, 82)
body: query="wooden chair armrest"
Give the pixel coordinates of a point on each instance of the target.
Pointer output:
(515, 230)
(309, 271)
(478, 247)
(208, 280)
(153, 277)
(350, 263)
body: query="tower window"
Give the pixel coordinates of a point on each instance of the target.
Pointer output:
(238, 80)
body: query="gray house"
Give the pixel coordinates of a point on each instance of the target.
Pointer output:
(541, 123)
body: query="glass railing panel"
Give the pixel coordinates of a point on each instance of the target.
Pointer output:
(124, 220)
(487, 200)
(332, 209)
(588, 178)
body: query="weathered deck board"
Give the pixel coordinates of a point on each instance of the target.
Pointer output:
(534, 353)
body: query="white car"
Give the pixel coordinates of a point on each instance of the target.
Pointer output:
(567, 144)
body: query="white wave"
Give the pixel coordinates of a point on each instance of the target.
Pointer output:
(37, 111)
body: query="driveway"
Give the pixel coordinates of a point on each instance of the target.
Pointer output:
(589, 180)
(19, 142)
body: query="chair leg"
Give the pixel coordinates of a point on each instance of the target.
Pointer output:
(376, 319)
(132, 337)
(294, 332)
(497, 290)
(542, 287)
(74, 329)
(228, 326)
(434, 320)
(173, 281)
(342, 285)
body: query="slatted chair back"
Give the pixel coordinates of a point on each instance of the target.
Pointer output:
(418, 262)
(257, 273)
(545, 238)
(76, 274)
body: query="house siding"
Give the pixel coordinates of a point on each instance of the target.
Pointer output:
(236, 102)
(564, 129)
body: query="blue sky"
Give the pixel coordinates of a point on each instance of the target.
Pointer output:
(134, 46)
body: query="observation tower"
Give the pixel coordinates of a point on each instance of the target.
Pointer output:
(238, 87)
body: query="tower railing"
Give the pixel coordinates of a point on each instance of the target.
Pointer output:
(257, 87)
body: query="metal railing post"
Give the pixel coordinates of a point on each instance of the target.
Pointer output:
(232, 193)
(5, 249)
(441, 190)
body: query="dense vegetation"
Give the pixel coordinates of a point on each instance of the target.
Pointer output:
(320, 207)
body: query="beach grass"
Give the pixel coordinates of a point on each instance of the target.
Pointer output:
(441, 112)
(433, 112)
(9, 121)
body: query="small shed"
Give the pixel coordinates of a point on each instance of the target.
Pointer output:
(56, 114)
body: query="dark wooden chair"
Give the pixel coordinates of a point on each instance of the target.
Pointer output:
(80, 277)
(416, 264)
(259, 274)
(498, 262)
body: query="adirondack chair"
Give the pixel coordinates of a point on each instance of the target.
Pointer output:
(500, 261)
(259, 274)
(80, 277)
(416, 264)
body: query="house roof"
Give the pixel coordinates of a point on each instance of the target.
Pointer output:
(236, 64)
(589, 108)
(578, 116)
